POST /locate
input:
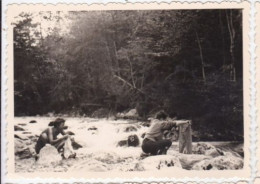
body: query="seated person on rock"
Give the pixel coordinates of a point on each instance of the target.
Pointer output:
(49, 136)
(153, 142)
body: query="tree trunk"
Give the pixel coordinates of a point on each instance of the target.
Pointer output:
(223, 38)
(185, 139)
(232, 44)
(201, 57)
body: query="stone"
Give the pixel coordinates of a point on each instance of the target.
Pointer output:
(24, 153)
(20, 136)
(17, 128)
(92, 128)
(122, 143)
(23, 149)
(75, 145)
(133, 140)
(207, 149)
(90, 165)
(227, 162)
(130, 129)
(158, 162)
(214, 152)
(33, 121)
(22, 124)
(143, 135)
(49, 155)
(101, 113)
(188, 160)
(146, 124)
(131, 113)
(70, 133)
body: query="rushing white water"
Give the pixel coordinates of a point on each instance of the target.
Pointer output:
(100, 152)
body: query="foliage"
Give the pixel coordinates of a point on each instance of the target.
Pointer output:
(187, 62)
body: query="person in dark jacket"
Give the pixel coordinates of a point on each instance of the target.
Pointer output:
(153, 142)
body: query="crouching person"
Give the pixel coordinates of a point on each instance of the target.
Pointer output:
(49, 136)
(153, 142)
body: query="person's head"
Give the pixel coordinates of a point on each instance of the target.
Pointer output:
(161, 115)
(58, 123)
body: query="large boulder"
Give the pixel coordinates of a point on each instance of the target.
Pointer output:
(101, 113)
(158, 162)
(206, 149)
(131, 114)
(132, 140)
(49, 155)
(23, 149)
(130, 128)
(17, 128)
(227, 162)
(90, 165)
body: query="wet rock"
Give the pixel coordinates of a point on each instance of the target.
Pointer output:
(146, 124)
(18, 145)
(214, 152)
(17, 128)
(49, 155)
(157, 163)
(143, 135)
(20, 136)
(132, 114)
(90, 165)
(24, 153)
(122, 143)
(33, 121)
(22, 124)
(70, 133)
(101, 113)
(187, 161)
(220, 163)
(206, 149)
(92, 128)
(131, 129)
(75, 145)
(23, 149)
(133, 140)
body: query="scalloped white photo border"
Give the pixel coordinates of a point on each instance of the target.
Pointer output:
(253, 67)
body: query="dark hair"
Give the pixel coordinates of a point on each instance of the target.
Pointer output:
(161, 115)
(57, 122)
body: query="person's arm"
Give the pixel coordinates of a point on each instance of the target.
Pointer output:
(180, 122)
(51, 140)
(168, 125)
(62, 132)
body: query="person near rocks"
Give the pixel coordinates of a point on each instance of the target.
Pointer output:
(153, 142)
(49, 136)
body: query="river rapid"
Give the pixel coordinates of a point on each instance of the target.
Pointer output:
(100, 151)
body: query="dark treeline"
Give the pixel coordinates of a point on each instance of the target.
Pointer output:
(186, 62)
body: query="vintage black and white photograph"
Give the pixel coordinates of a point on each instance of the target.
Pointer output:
(128, 90)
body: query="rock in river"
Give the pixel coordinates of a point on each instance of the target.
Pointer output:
(206, 149)
(49, 155)
(227, 162)
(158, 162)
(17, 128)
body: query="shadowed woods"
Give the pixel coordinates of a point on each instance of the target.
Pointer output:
(101, 63)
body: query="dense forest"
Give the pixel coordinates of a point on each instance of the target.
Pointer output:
(186, 62)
